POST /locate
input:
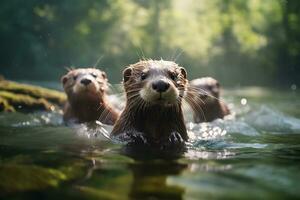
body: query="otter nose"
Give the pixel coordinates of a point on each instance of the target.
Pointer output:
(160, 86)
(85, 81)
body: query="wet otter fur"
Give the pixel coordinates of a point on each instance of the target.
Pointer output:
(203, 96)
(86, 89)
(152, 114)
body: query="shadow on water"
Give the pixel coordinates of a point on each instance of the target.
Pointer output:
(151, 169)
(150, 180)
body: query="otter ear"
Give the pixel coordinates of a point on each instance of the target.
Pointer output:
(126, 74)
(104, 75)
(183, 72)
(64, 79)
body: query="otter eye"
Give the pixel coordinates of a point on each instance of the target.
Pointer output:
(173, 76)
(74, 78)
(143, 76)
(94, 75)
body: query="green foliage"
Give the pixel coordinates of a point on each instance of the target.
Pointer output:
(226, 39)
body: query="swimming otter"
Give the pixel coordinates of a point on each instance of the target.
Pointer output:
(86, 89)
(203, 96)
(154, 91)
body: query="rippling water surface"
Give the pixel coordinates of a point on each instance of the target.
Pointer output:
(253, 154)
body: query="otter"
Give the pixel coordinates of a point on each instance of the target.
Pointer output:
(153, 114)
(203, 96)
(86, 90)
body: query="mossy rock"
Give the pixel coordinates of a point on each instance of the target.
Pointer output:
(23, 177)
(53, 96)
(93, 193)
(27, 98)
(5, 106)
(28, 177)
(23, 102)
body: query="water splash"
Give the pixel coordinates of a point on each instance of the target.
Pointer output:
(273, 121)
(31, 120)
(92, 130)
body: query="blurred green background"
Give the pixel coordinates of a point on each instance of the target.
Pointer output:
(239, 42)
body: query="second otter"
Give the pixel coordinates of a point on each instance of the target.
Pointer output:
(154, 92)
(86, 89)
(203, 96)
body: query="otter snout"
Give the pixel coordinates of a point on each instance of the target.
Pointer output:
(85, 81)
(160, 86)
(159, 90)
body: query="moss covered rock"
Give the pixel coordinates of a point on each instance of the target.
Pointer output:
(5, 106)
(26, 177)
(27, 98)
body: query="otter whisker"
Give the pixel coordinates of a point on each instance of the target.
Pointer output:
(132, 99)
(132, 85)
(185, 105)
(143, 106)
(143, 55)
(133, 90)
(209, 95)
(120, 93)
(119, 85)
(201, 91)
(197, 90)
(195, 99)
(179, 54)
(194, 96)
(97, 62)
(103, 116)
(68, 69)
(195, 106)
(174, 54)
(133, 93)
(139, 104)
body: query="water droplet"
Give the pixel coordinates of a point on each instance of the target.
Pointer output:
(294, 87)
(243, 101)
(52, 108)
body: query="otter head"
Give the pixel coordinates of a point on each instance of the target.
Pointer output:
(208, 89)
(155, 82)
(84, 83)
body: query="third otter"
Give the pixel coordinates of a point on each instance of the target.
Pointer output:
(154, 91)
(203, 96)
(86, 89)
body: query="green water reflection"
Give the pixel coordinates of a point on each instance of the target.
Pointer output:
(46, 160)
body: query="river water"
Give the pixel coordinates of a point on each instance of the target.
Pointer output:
(252, 154)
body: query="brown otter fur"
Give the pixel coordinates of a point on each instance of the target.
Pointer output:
(86, 89)
(203, 96)
(154, 91)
